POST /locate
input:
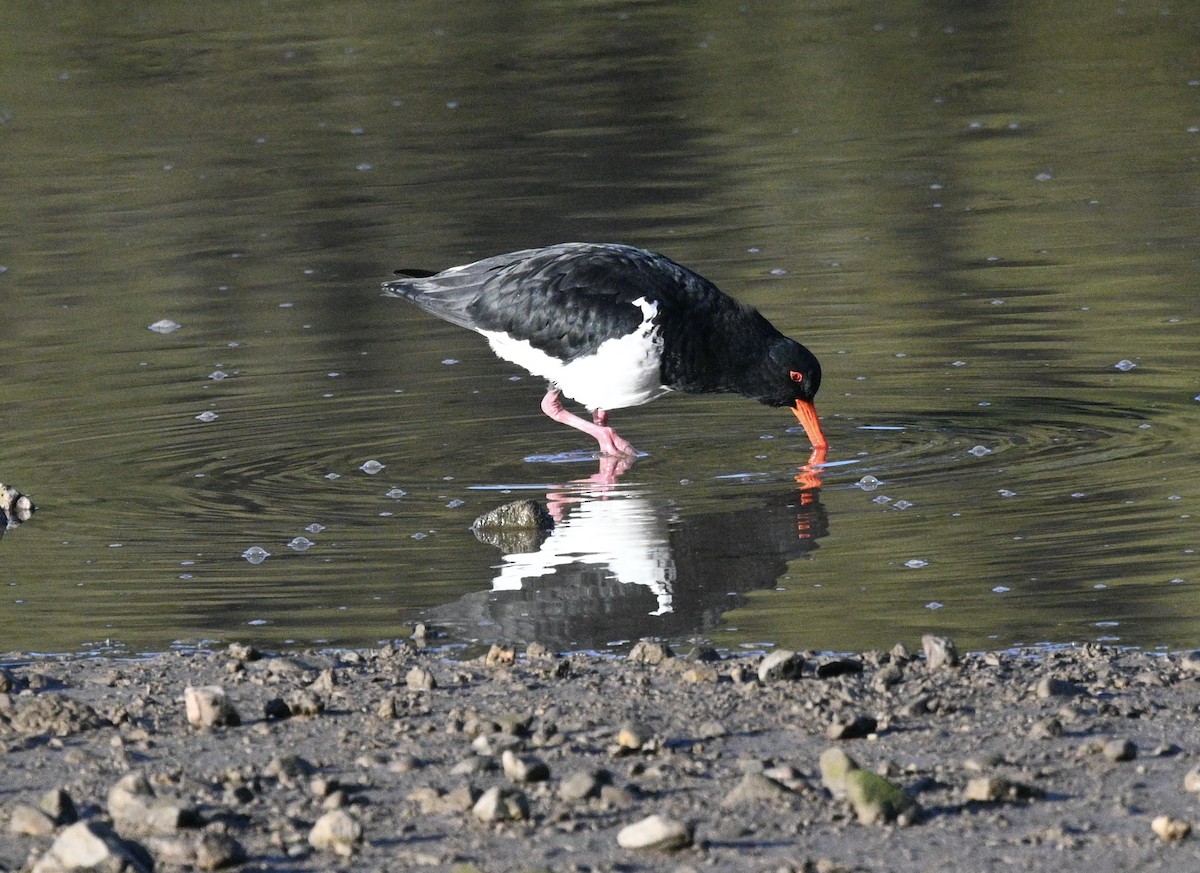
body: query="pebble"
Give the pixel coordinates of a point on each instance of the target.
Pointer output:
(89, 845)
(500, 656)
(854, 728)
(1120, 750)
(584, 784)
(207, 706)
(337, 831)
(699, 673)
(1191, 780)
(57, 804)
(757, 788)
(1170, 830)
(780, 664)
(135, 809)
(29, 821)
(839, 667)
(208, 850)
(501, 804)
(1051, 686)
(635, 737)
(1190, 662)
(1046, 729)
(420, 679)
(521, 768)
(655, 832)
(939, 652)
(302, 701)
(650, 652)
(992, 789)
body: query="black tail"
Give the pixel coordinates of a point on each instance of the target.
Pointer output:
(410, 273)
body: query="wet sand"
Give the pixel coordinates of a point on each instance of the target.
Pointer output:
(397, 758)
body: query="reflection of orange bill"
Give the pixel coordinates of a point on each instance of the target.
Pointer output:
(806, 413)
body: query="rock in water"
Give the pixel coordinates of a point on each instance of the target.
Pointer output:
(522, 514)
(515, 527)
(655, 832)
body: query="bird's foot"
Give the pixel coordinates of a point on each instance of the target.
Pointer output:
(612, 444)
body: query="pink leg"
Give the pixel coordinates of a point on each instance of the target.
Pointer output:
(610, 442)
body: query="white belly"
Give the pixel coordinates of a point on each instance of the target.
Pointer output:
(621, 372)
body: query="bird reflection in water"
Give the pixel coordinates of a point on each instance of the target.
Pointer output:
(624, 563)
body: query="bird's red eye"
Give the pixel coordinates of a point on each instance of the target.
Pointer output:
(797, 376)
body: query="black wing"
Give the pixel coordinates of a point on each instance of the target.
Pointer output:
(565, 300)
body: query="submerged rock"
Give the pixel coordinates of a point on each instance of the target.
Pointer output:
(516, 527)
(15, 507)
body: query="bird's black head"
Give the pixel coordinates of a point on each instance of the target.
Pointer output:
(795, 376)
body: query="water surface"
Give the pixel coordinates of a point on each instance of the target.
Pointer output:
(983, 219)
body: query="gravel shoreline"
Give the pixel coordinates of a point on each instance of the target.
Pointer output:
(396, 758)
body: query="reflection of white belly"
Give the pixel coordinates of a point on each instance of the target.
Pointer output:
(622, 534)
(622, 372)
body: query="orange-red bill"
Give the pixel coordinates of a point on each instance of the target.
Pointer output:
(806, 413)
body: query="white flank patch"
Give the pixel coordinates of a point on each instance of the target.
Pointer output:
(621, 372)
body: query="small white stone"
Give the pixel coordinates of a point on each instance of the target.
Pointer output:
(337, 832)
(655, 832)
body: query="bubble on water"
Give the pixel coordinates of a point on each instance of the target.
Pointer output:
(868, 483)
(165, 325)
(256, 554)
(419, 535)
(257, 622)
(958, 364)
(882, 500)
(1044, 177)
(449, 362)
(779, 271)
(1001, 589)
(455, 503)
(397, 493)
(207, 416)
(903, 504)
(1004, 492)
(1124, 365)
(315, 528)
(933, 604)
(333, 476)
(916, 564)
(372, 467)
(301, 544)
(218, 375)
(364, 166)
(979, 451)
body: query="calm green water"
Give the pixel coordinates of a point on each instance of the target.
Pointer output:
(971, 213)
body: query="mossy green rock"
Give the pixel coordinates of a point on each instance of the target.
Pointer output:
(875, 799)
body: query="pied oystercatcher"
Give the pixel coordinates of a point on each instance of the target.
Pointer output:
(612, 326)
